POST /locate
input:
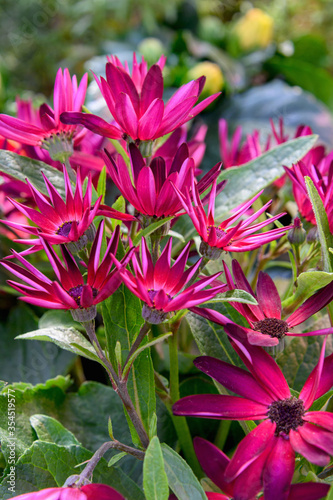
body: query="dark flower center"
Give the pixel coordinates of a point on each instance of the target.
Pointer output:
(287, 414)
(273, 327)
(76, 293)
(64, 229)
(219, 232)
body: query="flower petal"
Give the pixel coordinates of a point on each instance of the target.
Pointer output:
(279, 470)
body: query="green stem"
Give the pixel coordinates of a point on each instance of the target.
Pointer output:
(222, 433)
(141, 335)
(70, 171)
(180, 423)
(202, 265)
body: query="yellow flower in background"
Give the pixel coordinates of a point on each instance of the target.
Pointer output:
(254, 30)
(214, 77)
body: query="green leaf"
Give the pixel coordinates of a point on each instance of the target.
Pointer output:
(47, 464)
(234, 296)
(181, 478)
(101, 186)
(119, 205)
(259, 173)
(22, 168)
(55, 317)
(123, 320)
(155, 481)
(211, 338)
(319, 403)
(306, 285)
(150, 229)
(28, 361)
(66, 338)
(50, 430)
(330, 494)
(116, 458)
(308, 76)
(325, 236)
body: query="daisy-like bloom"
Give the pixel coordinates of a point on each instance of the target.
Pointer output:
(227, 236)
(267, 453)
(70, 291)
(162, 287)
(136, 104)
(57, 221)
(44, 129)
(214, 463)
(92, 491)
(322, 178)
(266, 326)
(148, 187)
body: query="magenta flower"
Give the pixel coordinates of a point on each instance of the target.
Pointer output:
(58, 221)
(214, 463)
(225, 236)
(38, 129)
(70, 291)
(148, 188)
(321, 177)
(267, 453)
(88, 492)
(67, 222)
(136, 104)
(266, 325)
(162, 287)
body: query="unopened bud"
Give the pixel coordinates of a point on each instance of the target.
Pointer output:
(297, 235)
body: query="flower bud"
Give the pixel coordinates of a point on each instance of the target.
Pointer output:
(297, 235)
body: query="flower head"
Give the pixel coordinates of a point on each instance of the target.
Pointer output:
(226, 236)
(87, 492)
(70, 290)
(214, 463)
(266, 324)
(148, 187)
(162, 287)
(267, 453)
(136, 104)
(44, 128)
(58, 221)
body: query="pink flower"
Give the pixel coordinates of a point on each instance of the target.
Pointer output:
(214, 463)
(136, 104)
(225, 236)
(162, 287)
(267, 453)
(67, 222)
(148, 186)
(33, 129)
(266, 325)
(70, 291)
(88, 492)
(321, 177)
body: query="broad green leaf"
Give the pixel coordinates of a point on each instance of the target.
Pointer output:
(150, 229)
(234, 296)
(84, 413)
(319, 403)
(300, 356)
(22, 168)
(181, 478)
(123, 320)
(155, 481)
(50, 430)
(33, 361)
(259, 173)
(54, 317)
(47, 464)
(66, 338)
(325, 236)
(102, 184)
(330, 494)
(211, 338)
(306, 285)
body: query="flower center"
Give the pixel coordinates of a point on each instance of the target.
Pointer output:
(76, 293)
(65, 229)
(219, 232)
(287, 414)
(276, 328)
